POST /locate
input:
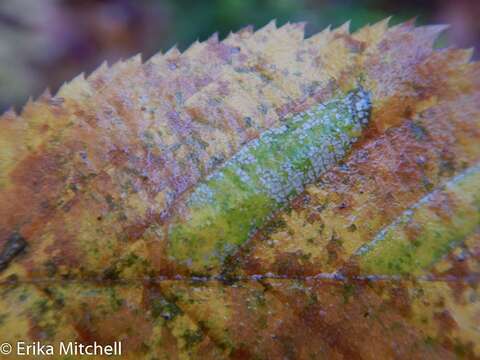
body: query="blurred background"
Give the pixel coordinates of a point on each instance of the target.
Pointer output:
(44, 43)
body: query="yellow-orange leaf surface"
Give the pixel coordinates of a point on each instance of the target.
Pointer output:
(377, 257)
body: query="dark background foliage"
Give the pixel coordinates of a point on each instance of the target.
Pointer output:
(44, 43)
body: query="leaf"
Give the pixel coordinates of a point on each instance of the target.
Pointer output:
(233, 201)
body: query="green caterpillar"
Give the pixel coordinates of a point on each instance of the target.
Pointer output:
(393, 252)
(262, 177)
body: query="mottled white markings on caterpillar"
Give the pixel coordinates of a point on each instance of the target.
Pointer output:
(264, 175)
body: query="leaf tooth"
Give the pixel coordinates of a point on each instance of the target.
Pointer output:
(71, 89)
(383, 23)
(28, 105)
(421, 37)
(248, 28)
(294, 30)
(29, 109)
(236, 38)
(213, 39)
(409, 24)
(300, 26)
(268, 28)
(192, 48)
(62, 89)
(173, 51)
(117, 67)
(157, 58)
(425, 36)
(467, 54)
(46, 95)
(343, 29)
(372, 34)
(135, 60)
(321, 37)
(99, 70)
(10, 113)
